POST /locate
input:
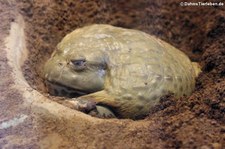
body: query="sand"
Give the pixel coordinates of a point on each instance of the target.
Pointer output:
(197, 121)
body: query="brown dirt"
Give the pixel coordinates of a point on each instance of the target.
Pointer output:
(197, 121)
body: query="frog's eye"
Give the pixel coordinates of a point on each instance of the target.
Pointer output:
(78, 64)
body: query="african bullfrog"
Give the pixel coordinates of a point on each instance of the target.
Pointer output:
(122, 72)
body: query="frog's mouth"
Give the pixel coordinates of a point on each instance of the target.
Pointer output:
(57, 89)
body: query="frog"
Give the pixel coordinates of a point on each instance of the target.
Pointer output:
(110, 71)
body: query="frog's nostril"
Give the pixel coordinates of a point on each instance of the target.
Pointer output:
(60, 64)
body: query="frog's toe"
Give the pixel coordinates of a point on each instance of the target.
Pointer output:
(83, 105)
(102, 112)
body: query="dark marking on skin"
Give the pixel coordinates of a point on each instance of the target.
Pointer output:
(186, 78)
(175, 85)
(186, 87)
(69, 89)
(146, 83)
(189, 86)
(164, 91)
(168, 68)
(154, 97)
(73, 95)
(139, 107)
(179, 79)
(60, 64)
(56, 93)
(129, 50)
(181, 88)
(63, 92)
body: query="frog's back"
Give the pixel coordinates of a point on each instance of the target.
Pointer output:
(144, 68)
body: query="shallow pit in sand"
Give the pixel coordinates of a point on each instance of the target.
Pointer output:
(188, 122)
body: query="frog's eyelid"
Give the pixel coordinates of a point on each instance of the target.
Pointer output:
(75, 62)
(78, 65)
(78, 59)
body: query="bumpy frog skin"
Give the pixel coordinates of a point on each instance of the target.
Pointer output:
(125, 70)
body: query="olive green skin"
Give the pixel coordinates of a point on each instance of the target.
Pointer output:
(133, 69)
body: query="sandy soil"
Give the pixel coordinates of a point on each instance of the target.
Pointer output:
(197, 121)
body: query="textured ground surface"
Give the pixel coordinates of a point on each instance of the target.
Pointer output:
(197, 121)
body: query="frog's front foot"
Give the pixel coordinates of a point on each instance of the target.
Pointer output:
(102, 112)
(90, 107)
(83, 105)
